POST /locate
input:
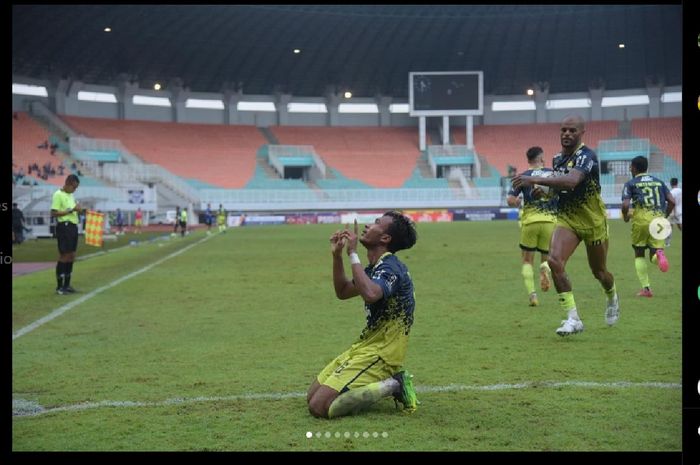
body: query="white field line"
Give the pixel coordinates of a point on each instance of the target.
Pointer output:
(154, 239)
(24, 408)
(74, 303)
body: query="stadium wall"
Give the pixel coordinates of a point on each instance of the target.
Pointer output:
(62, 99)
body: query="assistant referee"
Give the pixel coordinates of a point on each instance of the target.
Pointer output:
(65, 209)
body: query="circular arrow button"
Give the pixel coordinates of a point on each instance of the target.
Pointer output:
(660, 228)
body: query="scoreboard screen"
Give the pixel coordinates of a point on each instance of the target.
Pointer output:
(449, 93)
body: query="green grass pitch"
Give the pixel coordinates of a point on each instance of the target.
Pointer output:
(213, 349)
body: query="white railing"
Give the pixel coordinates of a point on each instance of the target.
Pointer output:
(46, 191)
(319, 163)
(252, 199)
(274, 161)
(123, 173)
(38, 198)
(88, 143)
(476, 172)
(307, 199)
(458, 174)
(291, 199)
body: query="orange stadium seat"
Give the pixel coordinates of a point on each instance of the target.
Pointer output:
(665, 133)
(362, 153)
(27, 134)
(506, 144)
(220, 155)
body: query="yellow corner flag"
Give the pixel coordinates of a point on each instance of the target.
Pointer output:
(94, 228)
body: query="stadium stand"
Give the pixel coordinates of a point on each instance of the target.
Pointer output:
(218, 155)
(27, 136)
(503, 145)
(665, 133)
(363, 154)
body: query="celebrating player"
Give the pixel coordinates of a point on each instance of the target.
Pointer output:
(581, 216)
(650, 199)
(371, 368)
(537, 224)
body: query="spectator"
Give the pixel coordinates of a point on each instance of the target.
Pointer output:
(677, 213)
(138, 220)
(177, 220)
(208, 218)
(183, 222)
(17, 225)
(221, 219)
(120, 222)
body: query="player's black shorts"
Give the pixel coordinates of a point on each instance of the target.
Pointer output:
(67, 235)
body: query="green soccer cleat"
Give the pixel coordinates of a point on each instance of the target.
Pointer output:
(406, 393)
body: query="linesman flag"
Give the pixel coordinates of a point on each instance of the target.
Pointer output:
(94, 228)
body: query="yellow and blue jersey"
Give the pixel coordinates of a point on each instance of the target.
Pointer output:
(581, 207)
(535, 210)
(389, 320)
(648, 197)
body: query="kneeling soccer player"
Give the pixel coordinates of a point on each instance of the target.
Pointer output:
(371, 368)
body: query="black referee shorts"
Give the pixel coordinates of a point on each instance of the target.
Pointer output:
(67, 235)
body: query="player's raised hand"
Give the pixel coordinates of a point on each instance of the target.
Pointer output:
(352, 238)
(337, 242)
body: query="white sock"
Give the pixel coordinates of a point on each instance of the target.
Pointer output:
(573, 314)
(389, 386)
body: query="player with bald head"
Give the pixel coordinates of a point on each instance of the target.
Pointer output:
(581, 217)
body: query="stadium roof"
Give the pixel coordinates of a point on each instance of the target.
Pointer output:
(368, 49)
